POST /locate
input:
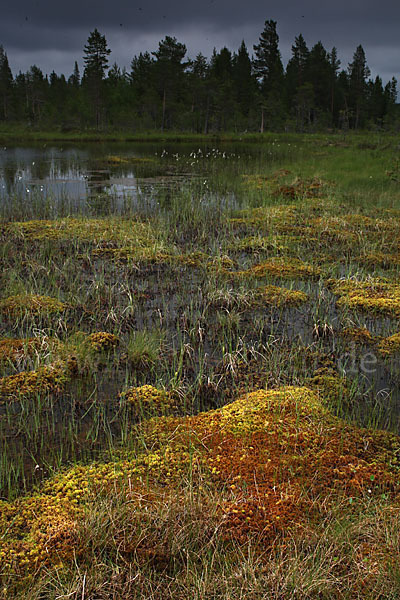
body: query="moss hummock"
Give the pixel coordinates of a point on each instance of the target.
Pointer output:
(32, 304)
(281, 297)
(374, 296)
(276, 459)
(278, 268)
(46, 379)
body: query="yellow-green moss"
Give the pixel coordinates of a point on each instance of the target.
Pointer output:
(266, 215)
(150, 398)
(280, 297)
(370, 296)
(332, 387)
(361, 335)
(152, 256)
(46, 379)
(103, 340)
(115, 230)
(32, 304)
(133, 254)
(259, 243)
(389, 345)
(380, 259)
(280, 268)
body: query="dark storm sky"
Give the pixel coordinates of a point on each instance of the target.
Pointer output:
(52, 34)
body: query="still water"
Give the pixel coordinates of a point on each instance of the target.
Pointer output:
(51, 180)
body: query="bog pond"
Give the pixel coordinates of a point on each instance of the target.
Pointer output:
(149, 279)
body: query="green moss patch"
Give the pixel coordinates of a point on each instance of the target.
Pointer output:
(32, 304)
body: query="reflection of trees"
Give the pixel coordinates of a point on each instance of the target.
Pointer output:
(98, 181)
(9, 172)
(40, 169)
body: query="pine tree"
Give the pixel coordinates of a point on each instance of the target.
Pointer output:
(6, 86)
(96, 63)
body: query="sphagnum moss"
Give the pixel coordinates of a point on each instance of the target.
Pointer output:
(280, 297)
(13, 349)
(32, 304)
(103, 340)
(389, 345)
(373, 296)
(94, 230)
(279, 268)
(46, 379)
(259, 454)
(149, 398)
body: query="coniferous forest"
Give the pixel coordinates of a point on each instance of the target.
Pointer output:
(231, 91)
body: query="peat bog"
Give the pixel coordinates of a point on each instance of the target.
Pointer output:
(199, 360)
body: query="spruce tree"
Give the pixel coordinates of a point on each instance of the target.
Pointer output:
(296, 67)
(169, 70)
(96, 63)
(319, 75)
(334, 64)
(300, 95)
(268, 63)
(244, 80)
(358, 75)
(221, 79)
(6, 86)
(268, 69)
(75, 78)
(199, 93)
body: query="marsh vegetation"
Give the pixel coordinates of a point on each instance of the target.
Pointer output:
(199, 370)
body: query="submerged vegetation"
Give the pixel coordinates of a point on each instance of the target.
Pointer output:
(199, 390)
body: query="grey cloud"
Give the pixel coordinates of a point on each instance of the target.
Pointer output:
(52, 34)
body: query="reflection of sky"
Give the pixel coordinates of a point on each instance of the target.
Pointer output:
(75, 179)
(57, 174)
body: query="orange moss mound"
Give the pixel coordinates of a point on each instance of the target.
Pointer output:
(14, 349)
(276, 459)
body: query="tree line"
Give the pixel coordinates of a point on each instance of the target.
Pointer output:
(231, 91)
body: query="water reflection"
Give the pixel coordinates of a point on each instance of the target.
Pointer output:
(80, 179)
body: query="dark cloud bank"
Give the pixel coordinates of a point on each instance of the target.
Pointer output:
(52, 35)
